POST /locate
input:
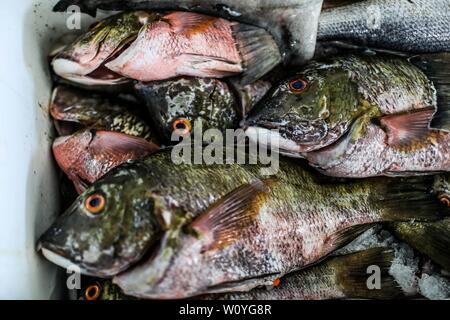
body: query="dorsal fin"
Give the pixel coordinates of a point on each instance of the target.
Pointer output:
(188, 22)
(223, 221)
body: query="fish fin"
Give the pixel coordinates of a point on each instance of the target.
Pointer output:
(429, 238)
(79, 184)
(118, 145)
(224, 221)
(437, 69)
(258, 50)
(342, 237)
(189, 22)
(409, 199)
(406, 128)
(352, 274)
(207, 66)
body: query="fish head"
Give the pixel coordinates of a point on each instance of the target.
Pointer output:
(308, 111)
(108, 227)
(83, 61)
(175, 106)
(73, 105)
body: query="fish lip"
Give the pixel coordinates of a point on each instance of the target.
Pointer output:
(285, 146)
(58, 257)
(75, 72)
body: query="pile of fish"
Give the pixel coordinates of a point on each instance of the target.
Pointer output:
(362, 126)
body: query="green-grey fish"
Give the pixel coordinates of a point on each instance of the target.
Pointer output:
(73, 109)
(223, 227)
(341, 277)
(175, 105)
(361, 116)
(417, 26)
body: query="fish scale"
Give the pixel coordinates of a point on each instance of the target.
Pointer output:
(409, 26)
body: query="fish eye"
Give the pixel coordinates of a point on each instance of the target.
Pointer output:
(95, 203)
(182, 126)
(276, 282)
(92, 292)
(297, 85)
(445, 200)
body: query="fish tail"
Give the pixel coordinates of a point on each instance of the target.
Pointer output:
(409, 199)
(365, 274)
(430, 238)
(436, 66)
(258, 50)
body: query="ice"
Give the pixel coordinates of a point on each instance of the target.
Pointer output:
(434, 287)
(412, 277)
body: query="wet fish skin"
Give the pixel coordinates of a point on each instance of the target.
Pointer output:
(341, 277)
(417, 26)
(340, 122)
(213, 103)
(87, 155)
(293, 23)
(210, 102)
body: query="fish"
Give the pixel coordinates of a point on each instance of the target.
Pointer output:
(292, 23)
(150, 46)
(340, 277)
(418, 26)
(358, 116)
(210, 228)
(89, 154)
(73, 109)
(176, 105)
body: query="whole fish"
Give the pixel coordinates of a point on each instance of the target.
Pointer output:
(223, 227)
(409, 26)
(361, 116)
(175, 105)
(293, 23)
(341, 277)
(87, 155)
(74, 109)
(149, 46)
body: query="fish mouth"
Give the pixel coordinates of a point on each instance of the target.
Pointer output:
(274, 141)
(75, 72)
(56, 256)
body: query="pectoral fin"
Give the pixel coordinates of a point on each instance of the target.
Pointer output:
(224, 221)
(406, 128)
